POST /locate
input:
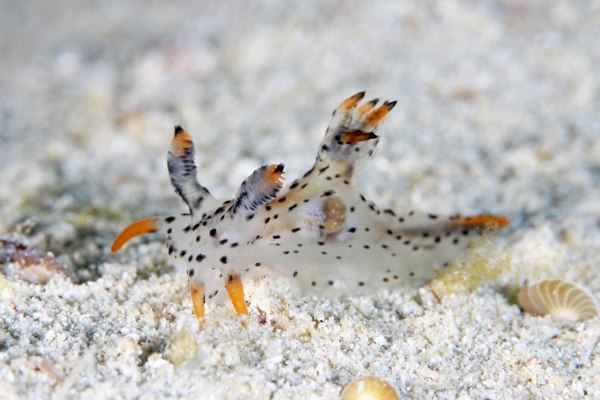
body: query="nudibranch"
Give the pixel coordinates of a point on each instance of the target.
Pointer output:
(320, 231)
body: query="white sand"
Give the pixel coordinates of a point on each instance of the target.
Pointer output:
(498, 112)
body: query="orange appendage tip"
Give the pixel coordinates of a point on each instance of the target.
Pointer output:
(351, 101)
(197, 294)
(375, 116)
(485, 220)
(181, 142)
(235, 289)
(138, 228)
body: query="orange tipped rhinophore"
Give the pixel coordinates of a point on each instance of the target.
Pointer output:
(181, 142)
(138, 228)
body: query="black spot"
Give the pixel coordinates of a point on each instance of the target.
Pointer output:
(400, 219)
(267, 220)
(190, 258)
(276, 237)
(330, 283)
(187, 228)
(321, 243)
(389, 232)
(465, 232)
(352, 230)
(286, 252)
(275, 216)
(213, 232)
(425, 234)
(338, 257)
(171, 249)
(257, 264)
(390, 212)
(433, 216)
(268, 208)
(313, 283)
(407, 242)
(327, 193)
(223, 241)
(384, 246)
(190, 273)
(281, 200)
(169, 231)
(324, 253)
(455, 241)
(303, 186)
(182, 253)
(200, 257)
(367, 229)
(366, 246)
(279, 168)
(385, 279)
(295, 274)
(363, 198)
(292, 207)
(361, 283)
(295, 230)
(168, 220)
(235, 244)
(411, 213)
(410, 273)
(196, 226)
(415, 248)
(437, 239)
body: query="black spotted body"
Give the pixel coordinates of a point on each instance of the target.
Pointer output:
(321, 231)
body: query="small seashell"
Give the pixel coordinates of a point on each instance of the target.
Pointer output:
(562, 300)
(369, 388)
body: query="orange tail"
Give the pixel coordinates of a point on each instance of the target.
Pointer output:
(484, 221)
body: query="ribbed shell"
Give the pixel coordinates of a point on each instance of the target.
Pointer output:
(371, 388)
(562, 300)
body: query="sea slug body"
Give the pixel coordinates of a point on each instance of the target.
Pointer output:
(320, 230)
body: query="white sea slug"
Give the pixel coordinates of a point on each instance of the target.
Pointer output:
(369, 388)
(562, 300)
(320, 230)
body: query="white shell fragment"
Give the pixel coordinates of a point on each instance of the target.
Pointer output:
(369, 388)
(562, 300)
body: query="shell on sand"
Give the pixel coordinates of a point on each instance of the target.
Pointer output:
(369, 388)
(562, 300)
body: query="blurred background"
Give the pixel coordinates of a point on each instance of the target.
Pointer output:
(497, 107)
